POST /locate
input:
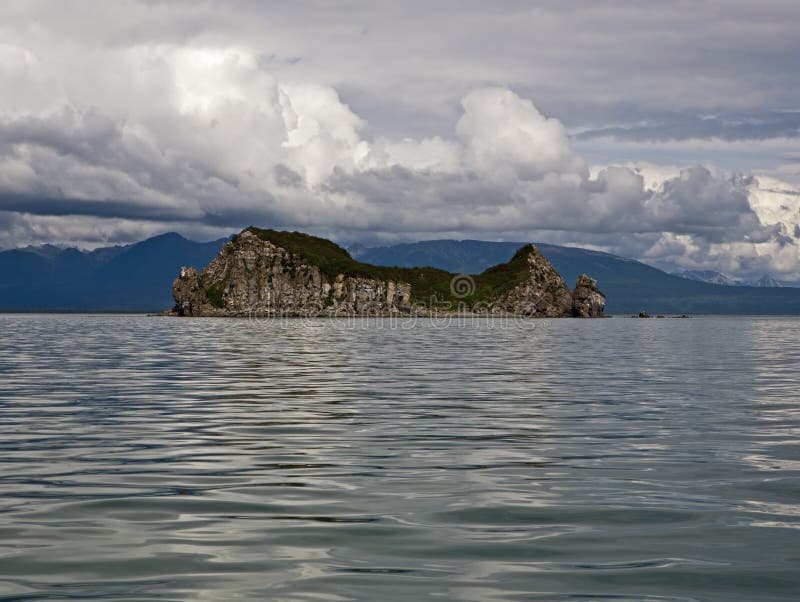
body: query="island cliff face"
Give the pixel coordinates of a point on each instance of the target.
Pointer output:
(543, 293)
(264, 272)
(587, 300)
(255, 276)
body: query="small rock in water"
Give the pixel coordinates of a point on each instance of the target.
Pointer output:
(587, 300)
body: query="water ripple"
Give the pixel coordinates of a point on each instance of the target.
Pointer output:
(151, 459)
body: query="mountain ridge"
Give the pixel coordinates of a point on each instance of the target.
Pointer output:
(31, 282)
(133, 277)
(713, 277)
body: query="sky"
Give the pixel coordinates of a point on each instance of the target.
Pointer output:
(662, 131)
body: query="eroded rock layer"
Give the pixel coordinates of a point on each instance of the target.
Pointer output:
(255, 276)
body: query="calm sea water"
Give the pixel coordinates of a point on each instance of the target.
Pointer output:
(148, 458)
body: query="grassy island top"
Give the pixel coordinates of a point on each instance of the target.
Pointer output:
(426, 282)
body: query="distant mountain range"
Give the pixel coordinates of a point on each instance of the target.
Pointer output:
(713, 277)
(139, 277)
(135, 277)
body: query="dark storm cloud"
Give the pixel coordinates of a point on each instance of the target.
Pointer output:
(231, 217)
(582, 61)
(698, 202)
(381, 120)
(58, 206)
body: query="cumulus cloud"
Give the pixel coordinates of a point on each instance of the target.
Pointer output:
(503, 133)
(206, 139)
(763, 240)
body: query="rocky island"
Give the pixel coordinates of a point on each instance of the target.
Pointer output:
(270, 272)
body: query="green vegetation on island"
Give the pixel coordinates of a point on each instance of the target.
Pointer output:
(271, 272)
(427, 283)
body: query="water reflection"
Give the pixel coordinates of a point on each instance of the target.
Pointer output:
(147, 458)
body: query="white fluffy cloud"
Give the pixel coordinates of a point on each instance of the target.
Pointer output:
(204, 139)
(503, 133)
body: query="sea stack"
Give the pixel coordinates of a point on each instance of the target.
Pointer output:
(587, 300)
